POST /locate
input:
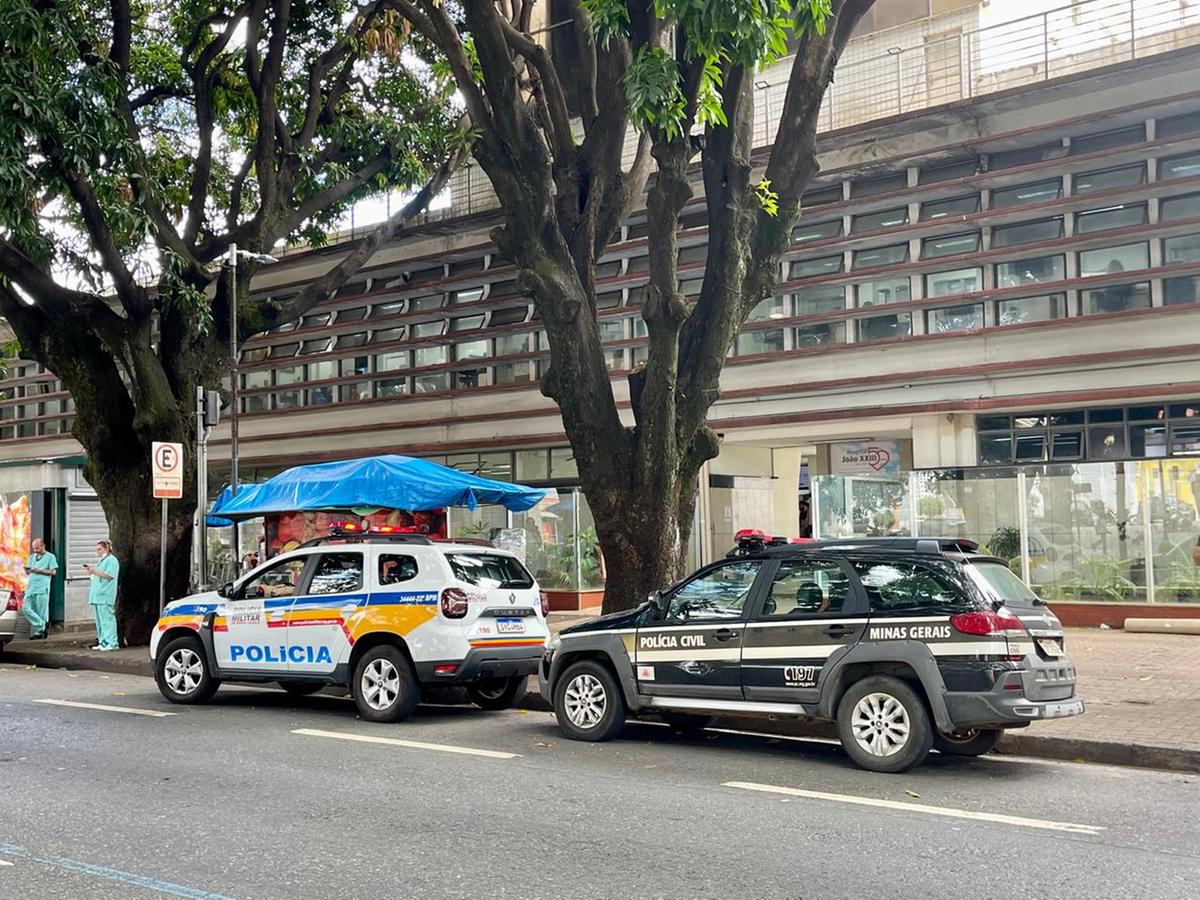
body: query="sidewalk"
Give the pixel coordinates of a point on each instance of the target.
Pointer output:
(1142, 693)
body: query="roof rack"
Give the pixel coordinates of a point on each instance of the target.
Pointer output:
(752, 543)
(367, 538)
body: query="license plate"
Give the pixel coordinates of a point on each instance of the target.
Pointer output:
(1060, 710)
(510, 626)
(1050, 647)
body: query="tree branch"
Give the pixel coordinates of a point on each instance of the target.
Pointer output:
(548, 84)
(315, 109)
(338, 191)
(67, 304)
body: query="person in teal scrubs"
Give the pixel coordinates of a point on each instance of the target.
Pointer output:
(102, 595)
(40, 567)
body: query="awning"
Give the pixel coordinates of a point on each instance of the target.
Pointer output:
(375, 482)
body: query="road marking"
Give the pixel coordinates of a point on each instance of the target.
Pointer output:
(412, 745)
(999, 818)
(154, 713)
(142, 881)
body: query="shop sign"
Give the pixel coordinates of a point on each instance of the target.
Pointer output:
(865, 458)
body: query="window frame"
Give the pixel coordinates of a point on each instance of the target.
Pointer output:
(312, 573)
(855, 604)
(752, 601)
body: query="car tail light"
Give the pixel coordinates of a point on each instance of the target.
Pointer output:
(448, 669)
(454, 603)
(545, 603)
(12, 604)
(986, 622)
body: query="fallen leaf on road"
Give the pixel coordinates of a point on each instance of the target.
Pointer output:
(1145, 678)
(912, 793)
(652, 766)
(543, 744)
(118, 693)
(69, 674)
(522, 712)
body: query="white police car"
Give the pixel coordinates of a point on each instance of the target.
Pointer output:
(381, 613)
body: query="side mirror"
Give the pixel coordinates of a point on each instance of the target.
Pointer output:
(226, 590)
(658, 603)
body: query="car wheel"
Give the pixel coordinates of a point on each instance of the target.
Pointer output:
(969, 742)
(588, 702)
(301, 688)
(884, 725)
(182, 673)
(497, 693)
(684, 722)
(384, 687)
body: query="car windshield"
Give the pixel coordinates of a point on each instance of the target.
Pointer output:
(489, 570)
(998, 582)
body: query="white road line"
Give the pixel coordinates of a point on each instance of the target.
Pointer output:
(397, 742)
(999, 818)
(153, 713)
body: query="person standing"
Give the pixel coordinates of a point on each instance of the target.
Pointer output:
(41, 568)
(102, 595)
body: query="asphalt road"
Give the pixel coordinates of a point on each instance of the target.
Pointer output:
(258, 795)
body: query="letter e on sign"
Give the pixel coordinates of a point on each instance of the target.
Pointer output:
(167, 470)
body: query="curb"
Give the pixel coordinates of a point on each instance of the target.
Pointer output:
(1146, 756)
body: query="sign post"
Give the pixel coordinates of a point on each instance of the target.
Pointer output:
(166, 469)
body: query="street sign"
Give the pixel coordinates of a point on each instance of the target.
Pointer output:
(167, 469)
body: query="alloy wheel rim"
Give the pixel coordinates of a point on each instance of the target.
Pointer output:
(585, 701)
(880, 724)
(380, 684)
(184, 670)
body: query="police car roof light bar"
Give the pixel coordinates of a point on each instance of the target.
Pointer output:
(367, 538)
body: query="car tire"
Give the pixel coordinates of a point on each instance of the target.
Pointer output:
(182, 673)
(301, 688)
(971, 742)
(588, 702)
(884, 724)
(685, 722)
(384, 687)
(497, 693)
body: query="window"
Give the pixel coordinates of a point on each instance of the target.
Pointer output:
(955, 206)
(637, 264)
(512, 315)
(391, 387)
(1037, 192)
(283, 351)
(954, 281)
(319, 371)
(950, 245)
(817, 196)
(878, 328)
(429, 356)
(1111, 260)
(770, 308)
(1116, 298)
(1186, 166)
(387, 335)
(1030, 271)
(884, 184)
(880, 256)
(1122, 216)
(816, 335)
(887, 290)
(390, 308)
(395, 568)
(466, 323)
(466, 267)
(471, 350)
(816, 231)
(717, 594)
(314, 319)
(1172, 208)
(752, 342)
(353, 314)
(491, 571)
(1181, 290)
(253, 356)
(1025, 156)
(690, 287)
(508, 344)
(612, 329)
(605, 300)
(498, 290)
(337, 573)
(430, 384)
(470, 378)
(806, 588)
(288, 399)
(260, 379)
(1027, 232)
(429, 301)
(1106, 140)
(388, 362)
(467, 295)
(279, 580)
(351, 393)
(873, 221)
(1182, 249)
(1031, 309)
(316, 345)
(825, 298)
(289, 375)
(904, 587)
(692, 255)
(509, 373)
(1125, 176)
(954, 318)
(1173, 126)
(429, 329)
(959, 168)
(803, 268)
(345, 341)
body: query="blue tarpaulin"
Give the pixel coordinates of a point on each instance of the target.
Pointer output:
(376, 482)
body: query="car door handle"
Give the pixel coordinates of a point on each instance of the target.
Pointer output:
(725, 634)
(837, 631)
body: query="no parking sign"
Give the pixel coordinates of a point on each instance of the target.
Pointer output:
(167, 469)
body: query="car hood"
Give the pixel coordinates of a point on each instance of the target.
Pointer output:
(629, 618)
(205, 598)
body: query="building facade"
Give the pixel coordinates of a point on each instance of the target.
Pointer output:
(986, 325)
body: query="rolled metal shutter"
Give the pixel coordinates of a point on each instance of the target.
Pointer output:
(85, 525)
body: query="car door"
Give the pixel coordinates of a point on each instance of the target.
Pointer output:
(695, 650)
(810, 609)
(249, 628)
(333, 591)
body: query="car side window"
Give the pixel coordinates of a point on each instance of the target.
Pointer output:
(806, 588)
(893, 586)
(280, 580)
(337, 573)
(716, 595)
(395, 568)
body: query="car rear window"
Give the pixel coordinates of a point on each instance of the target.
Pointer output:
(999, 582)
(489, 570)
(899, 586)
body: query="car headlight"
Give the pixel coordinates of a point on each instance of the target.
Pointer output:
(553, 644)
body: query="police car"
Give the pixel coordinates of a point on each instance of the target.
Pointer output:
(907, 644)
(385, 614)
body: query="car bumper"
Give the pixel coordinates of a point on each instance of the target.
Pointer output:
(482, 663)
(988, 710)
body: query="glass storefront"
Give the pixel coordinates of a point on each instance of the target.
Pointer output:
(1093, 531)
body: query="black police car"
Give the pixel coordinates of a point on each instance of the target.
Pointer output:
(907, 644)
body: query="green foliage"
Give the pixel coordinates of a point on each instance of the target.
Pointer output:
(931, 506)
(560, 562)
(1005, 542)
(767, 198)
(1182, 584)
(653, 90)
(610, 18)
(1099, 578)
